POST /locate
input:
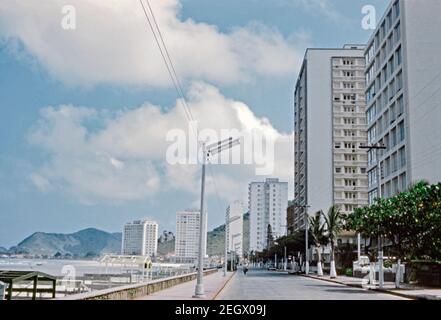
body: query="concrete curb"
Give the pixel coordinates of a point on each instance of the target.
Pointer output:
(223, 287)
(398, 294)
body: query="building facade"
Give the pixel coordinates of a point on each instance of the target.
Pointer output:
(234, 227)
(140, 238)
(403, 97)
(268, 202)
(290, 218)
(187, 236)
(330, 126)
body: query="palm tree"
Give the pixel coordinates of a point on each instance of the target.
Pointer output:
(334, 225)
(316, 229)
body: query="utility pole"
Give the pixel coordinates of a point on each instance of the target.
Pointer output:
(285, 261)
(377, 147)
(207, 151)
(226, 247)
(228, 221)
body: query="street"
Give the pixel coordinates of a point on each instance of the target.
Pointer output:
(269, 285)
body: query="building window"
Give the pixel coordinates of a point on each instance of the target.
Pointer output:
(400, 106)
(389, 20)
(393, 137)
(397, 33)
(383, 30)
(402, 155)
(396, 8)
(392, 90)
(372, 157)
(401, 131)
(372, 178)
(400, 81)
(372, 135)
(372, 196)
(399, 56)
(391, 65)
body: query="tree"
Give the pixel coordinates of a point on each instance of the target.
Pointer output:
(316, 229)
(410, 221)
(334, 225)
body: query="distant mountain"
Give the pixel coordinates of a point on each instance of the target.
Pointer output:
(87, 242)
(93, 242)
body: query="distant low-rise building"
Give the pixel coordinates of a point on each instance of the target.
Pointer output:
(234, 228)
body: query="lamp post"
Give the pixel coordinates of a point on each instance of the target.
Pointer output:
(285, 261)
(227, 239)
(207, 151)
(377, 147)
(226, 249)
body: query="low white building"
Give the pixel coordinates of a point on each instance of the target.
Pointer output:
(234, 227)
(140, 238)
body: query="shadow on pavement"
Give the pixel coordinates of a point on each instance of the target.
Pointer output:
(350, 291)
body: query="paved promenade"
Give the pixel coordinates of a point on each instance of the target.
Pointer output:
(269, 285)
(213, 284)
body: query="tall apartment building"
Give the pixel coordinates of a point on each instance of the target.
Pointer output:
(267, 206)
(329, 126)
(403, 96)
(234, 227)
(187, 235)
(140, 238)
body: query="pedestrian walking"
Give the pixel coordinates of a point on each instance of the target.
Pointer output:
(245, 268)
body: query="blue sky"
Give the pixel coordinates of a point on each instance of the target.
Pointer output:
(43, 184)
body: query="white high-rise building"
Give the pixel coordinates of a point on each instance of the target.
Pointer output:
(329, 127)
(267, 206)
(404, 97)
(234, 230)
(140, 238)
(187, 235)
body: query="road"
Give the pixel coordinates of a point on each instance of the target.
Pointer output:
(270, 285)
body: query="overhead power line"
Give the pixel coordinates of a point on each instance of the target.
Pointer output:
(159, 39)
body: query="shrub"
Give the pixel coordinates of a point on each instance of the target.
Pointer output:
(348, 272)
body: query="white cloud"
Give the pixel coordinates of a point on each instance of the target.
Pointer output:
(113, 44)
(125, 159)
(321, 7)
(40, 182)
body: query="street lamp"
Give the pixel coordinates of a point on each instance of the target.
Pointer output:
(207, 152)
(377, 147)
(227, 224)
(306, 235)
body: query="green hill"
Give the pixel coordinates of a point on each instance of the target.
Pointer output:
(216, 238)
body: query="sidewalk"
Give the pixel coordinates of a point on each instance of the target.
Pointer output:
(213, 284)
(406, 290)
